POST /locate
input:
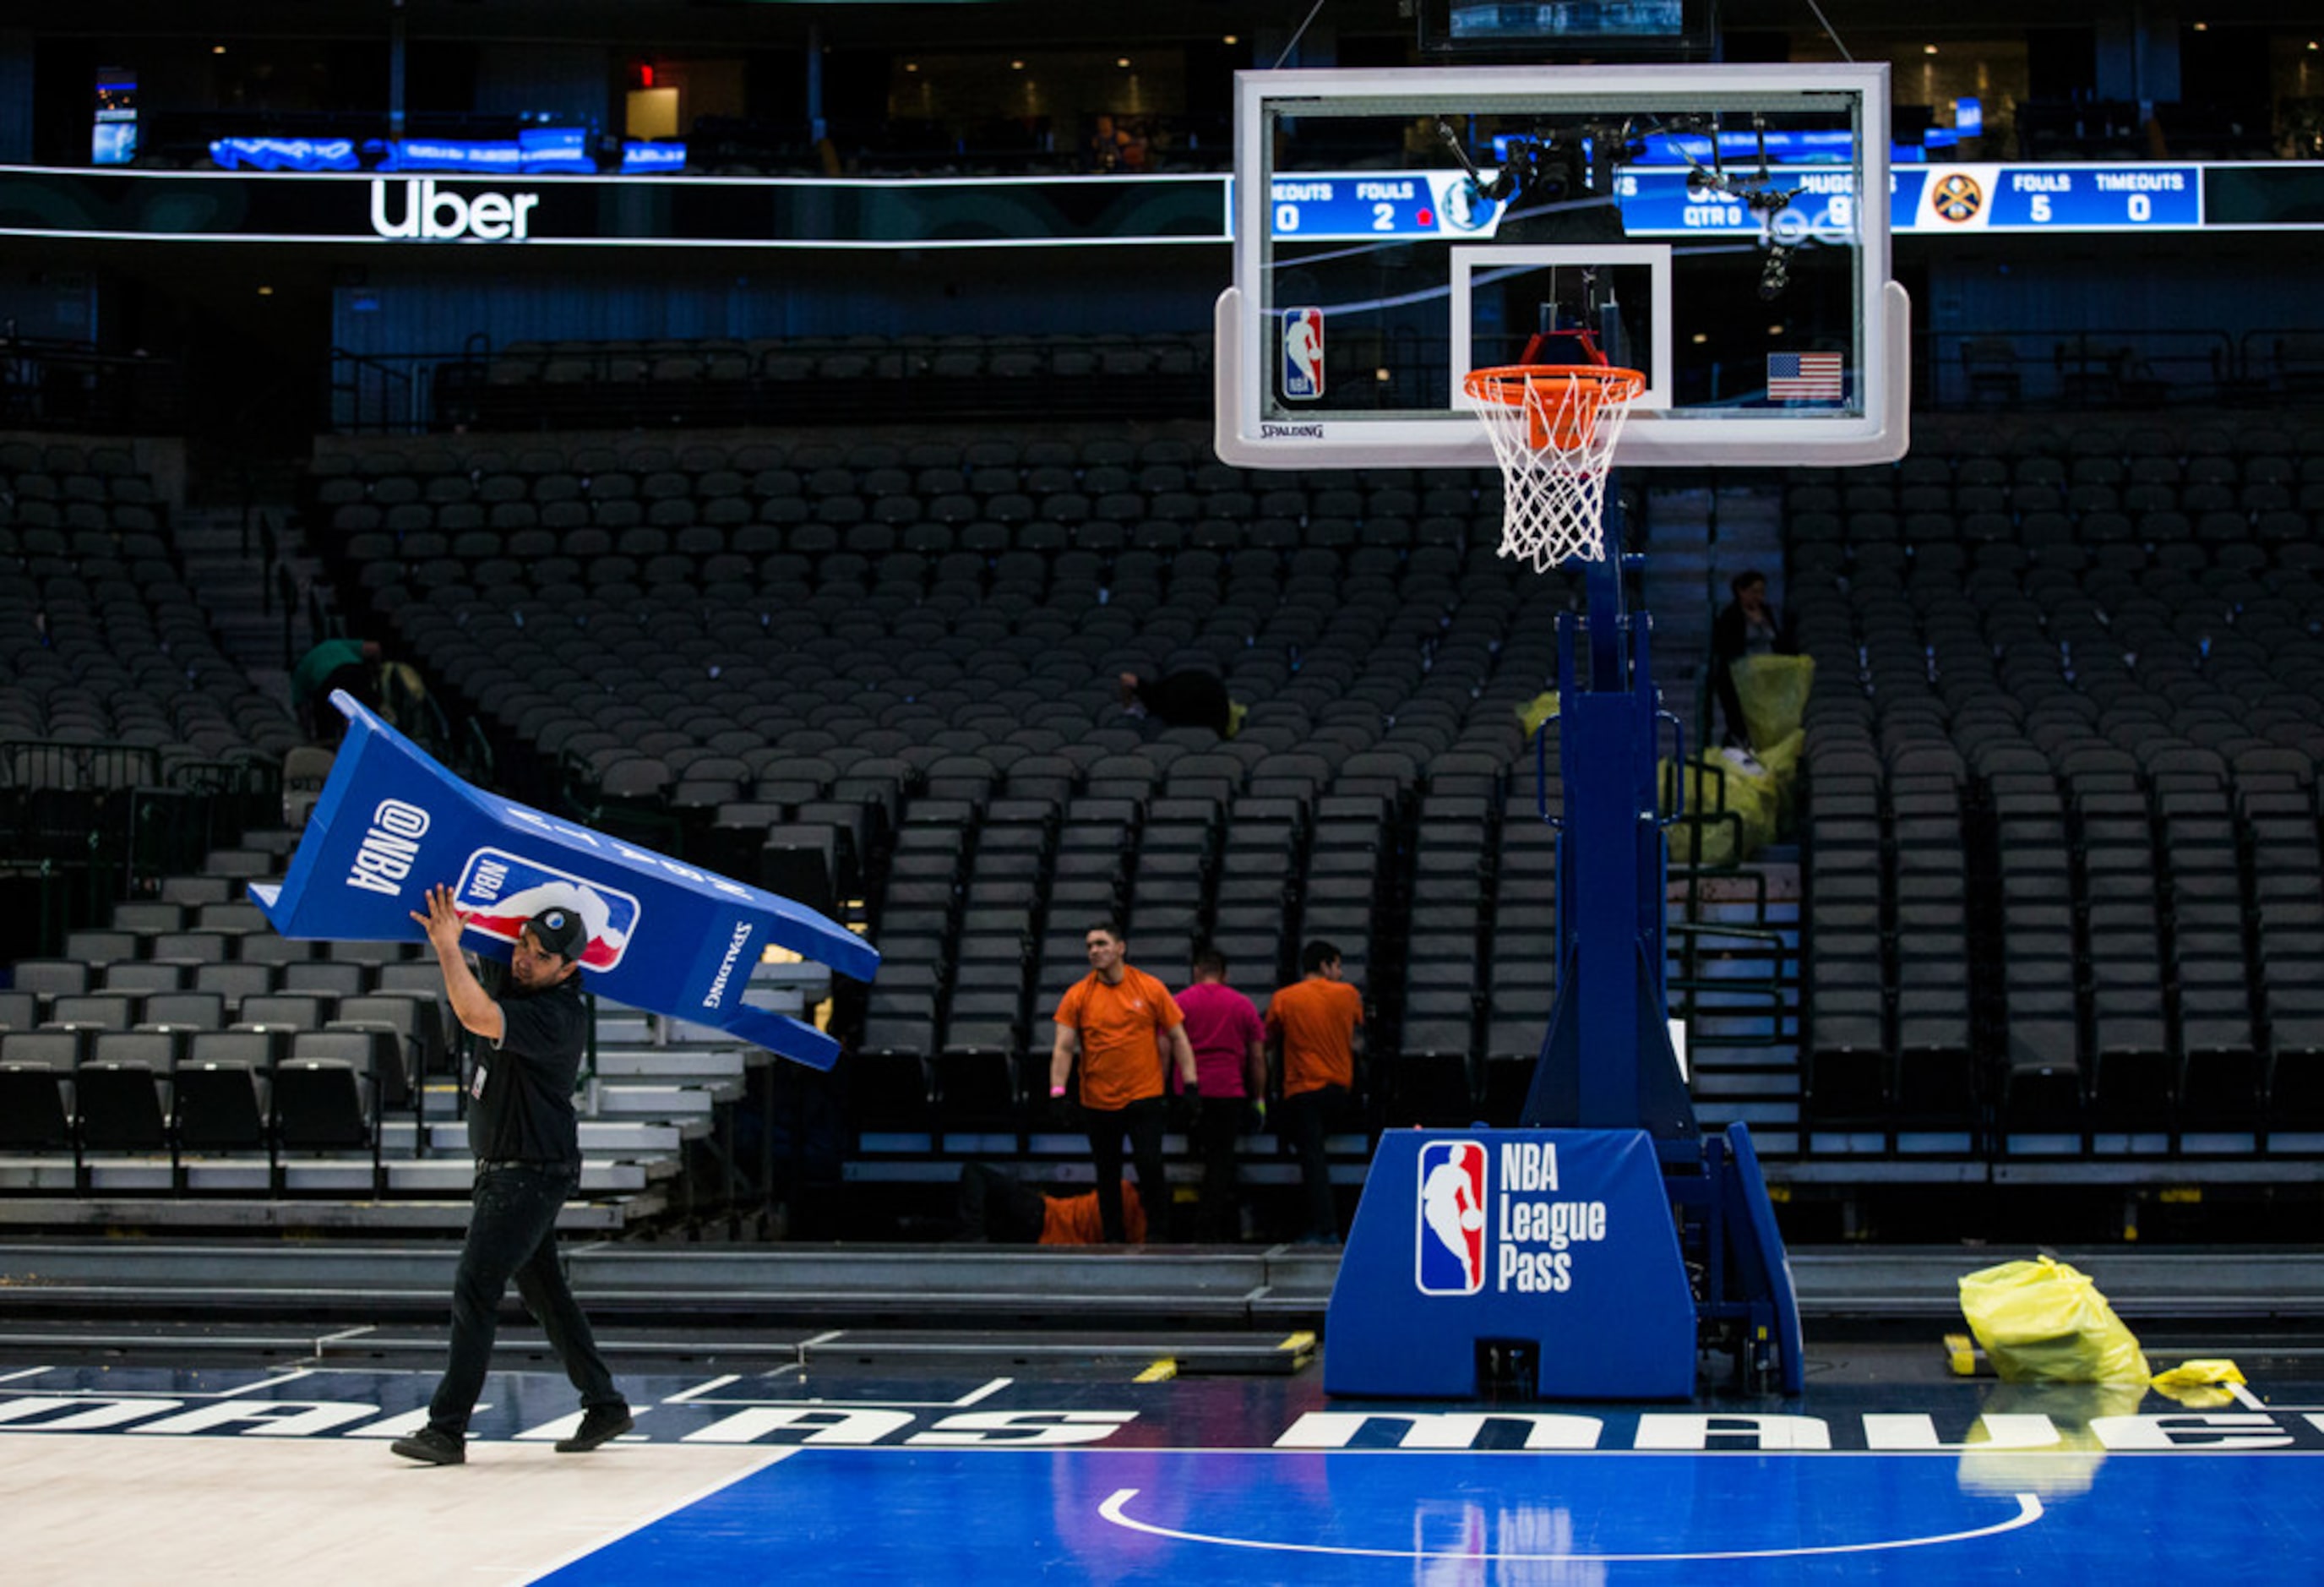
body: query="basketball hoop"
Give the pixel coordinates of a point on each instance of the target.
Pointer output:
(1553, 428)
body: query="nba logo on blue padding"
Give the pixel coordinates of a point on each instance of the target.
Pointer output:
(1449, 1221)
(1302, 355)
(498, 891)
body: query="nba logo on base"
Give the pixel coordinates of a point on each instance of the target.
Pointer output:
(499, 892)
(1302, 355)
(1450, 1228)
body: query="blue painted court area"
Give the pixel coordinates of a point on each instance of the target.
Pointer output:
(879, 1469)
(1155, 1516)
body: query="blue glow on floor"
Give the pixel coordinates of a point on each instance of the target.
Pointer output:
(960, 1516)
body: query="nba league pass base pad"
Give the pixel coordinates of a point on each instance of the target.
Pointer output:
(662, 935)
(1554, 1248)
(1396, 231)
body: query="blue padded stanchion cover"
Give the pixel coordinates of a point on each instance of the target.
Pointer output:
(665, 937)
(1562, 1240)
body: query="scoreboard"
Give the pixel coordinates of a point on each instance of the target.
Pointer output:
(2054, 198)
(1655, 201)
(1381, 204)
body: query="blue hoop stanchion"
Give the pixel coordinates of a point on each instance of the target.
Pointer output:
(1677, 1249)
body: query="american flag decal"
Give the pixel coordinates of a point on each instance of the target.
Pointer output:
(1803, 377)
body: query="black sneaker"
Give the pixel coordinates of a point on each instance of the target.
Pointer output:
(600, 1424)
(434, 1446)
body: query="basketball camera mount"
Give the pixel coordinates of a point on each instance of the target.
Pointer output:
(1566, 166)
(1756, 190)
(1546, 165)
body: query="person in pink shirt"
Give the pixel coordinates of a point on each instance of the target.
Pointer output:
(1229, 1074)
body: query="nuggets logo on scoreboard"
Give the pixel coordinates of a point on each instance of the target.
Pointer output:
(1450, 1224)
(1302, 355)
(1958, 198)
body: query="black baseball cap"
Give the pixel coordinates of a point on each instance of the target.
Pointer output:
(558, 930)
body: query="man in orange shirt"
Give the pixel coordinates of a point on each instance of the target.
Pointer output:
(1118, 1020)
(1313, 1024)
(996, 1207)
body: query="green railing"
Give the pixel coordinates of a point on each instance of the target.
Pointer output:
(84, 824)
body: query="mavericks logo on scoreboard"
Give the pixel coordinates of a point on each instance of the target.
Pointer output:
(1452, 1222)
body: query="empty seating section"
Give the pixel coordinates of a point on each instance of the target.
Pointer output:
(2063, 878)
(887, 670)
(867, 380)
(208, 1054)
(184, 1049)
(112, 678)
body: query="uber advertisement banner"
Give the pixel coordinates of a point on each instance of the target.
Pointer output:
(514, 209)
(392, 823)
(694, 212)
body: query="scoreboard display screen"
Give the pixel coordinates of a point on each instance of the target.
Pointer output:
(2129, 197)
(1658, 201)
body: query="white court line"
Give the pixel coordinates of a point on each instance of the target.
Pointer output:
(702, 1394)
(174, 1394)
(2029, 1510)
(774, 1456)
(293, 1377)
(685, 1395)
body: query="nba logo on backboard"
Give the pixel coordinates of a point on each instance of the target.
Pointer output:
(1450, 1230)
(1302, 355)
(499, 892)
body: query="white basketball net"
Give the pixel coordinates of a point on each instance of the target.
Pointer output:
(1554, 429)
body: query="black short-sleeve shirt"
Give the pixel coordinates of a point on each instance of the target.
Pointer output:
(521, 1107)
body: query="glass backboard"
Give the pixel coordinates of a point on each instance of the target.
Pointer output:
(1395, 230)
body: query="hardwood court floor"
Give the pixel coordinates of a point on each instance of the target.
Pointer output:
(976, 1468)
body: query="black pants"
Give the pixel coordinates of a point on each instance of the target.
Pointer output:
(1730, 703)
(1000, 1207)
(1305, 1117)
(1217, 1119)
(1142, 1122)
(513, 1234)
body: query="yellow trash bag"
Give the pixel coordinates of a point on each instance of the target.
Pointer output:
(1773, 694)
(1782, 759)
(2044, 1322)
(1701, 842)
(1538, 710)
(1722, 782)
(2199, 1385)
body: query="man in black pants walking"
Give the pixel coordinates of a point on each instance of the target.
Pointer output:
(527, 1147)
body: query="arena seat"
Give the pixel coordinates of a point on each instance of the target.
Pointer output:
(38, 1111)
(123, 1090)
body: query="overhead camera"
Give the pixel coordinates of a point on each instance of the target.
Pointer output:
(1776, 274)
